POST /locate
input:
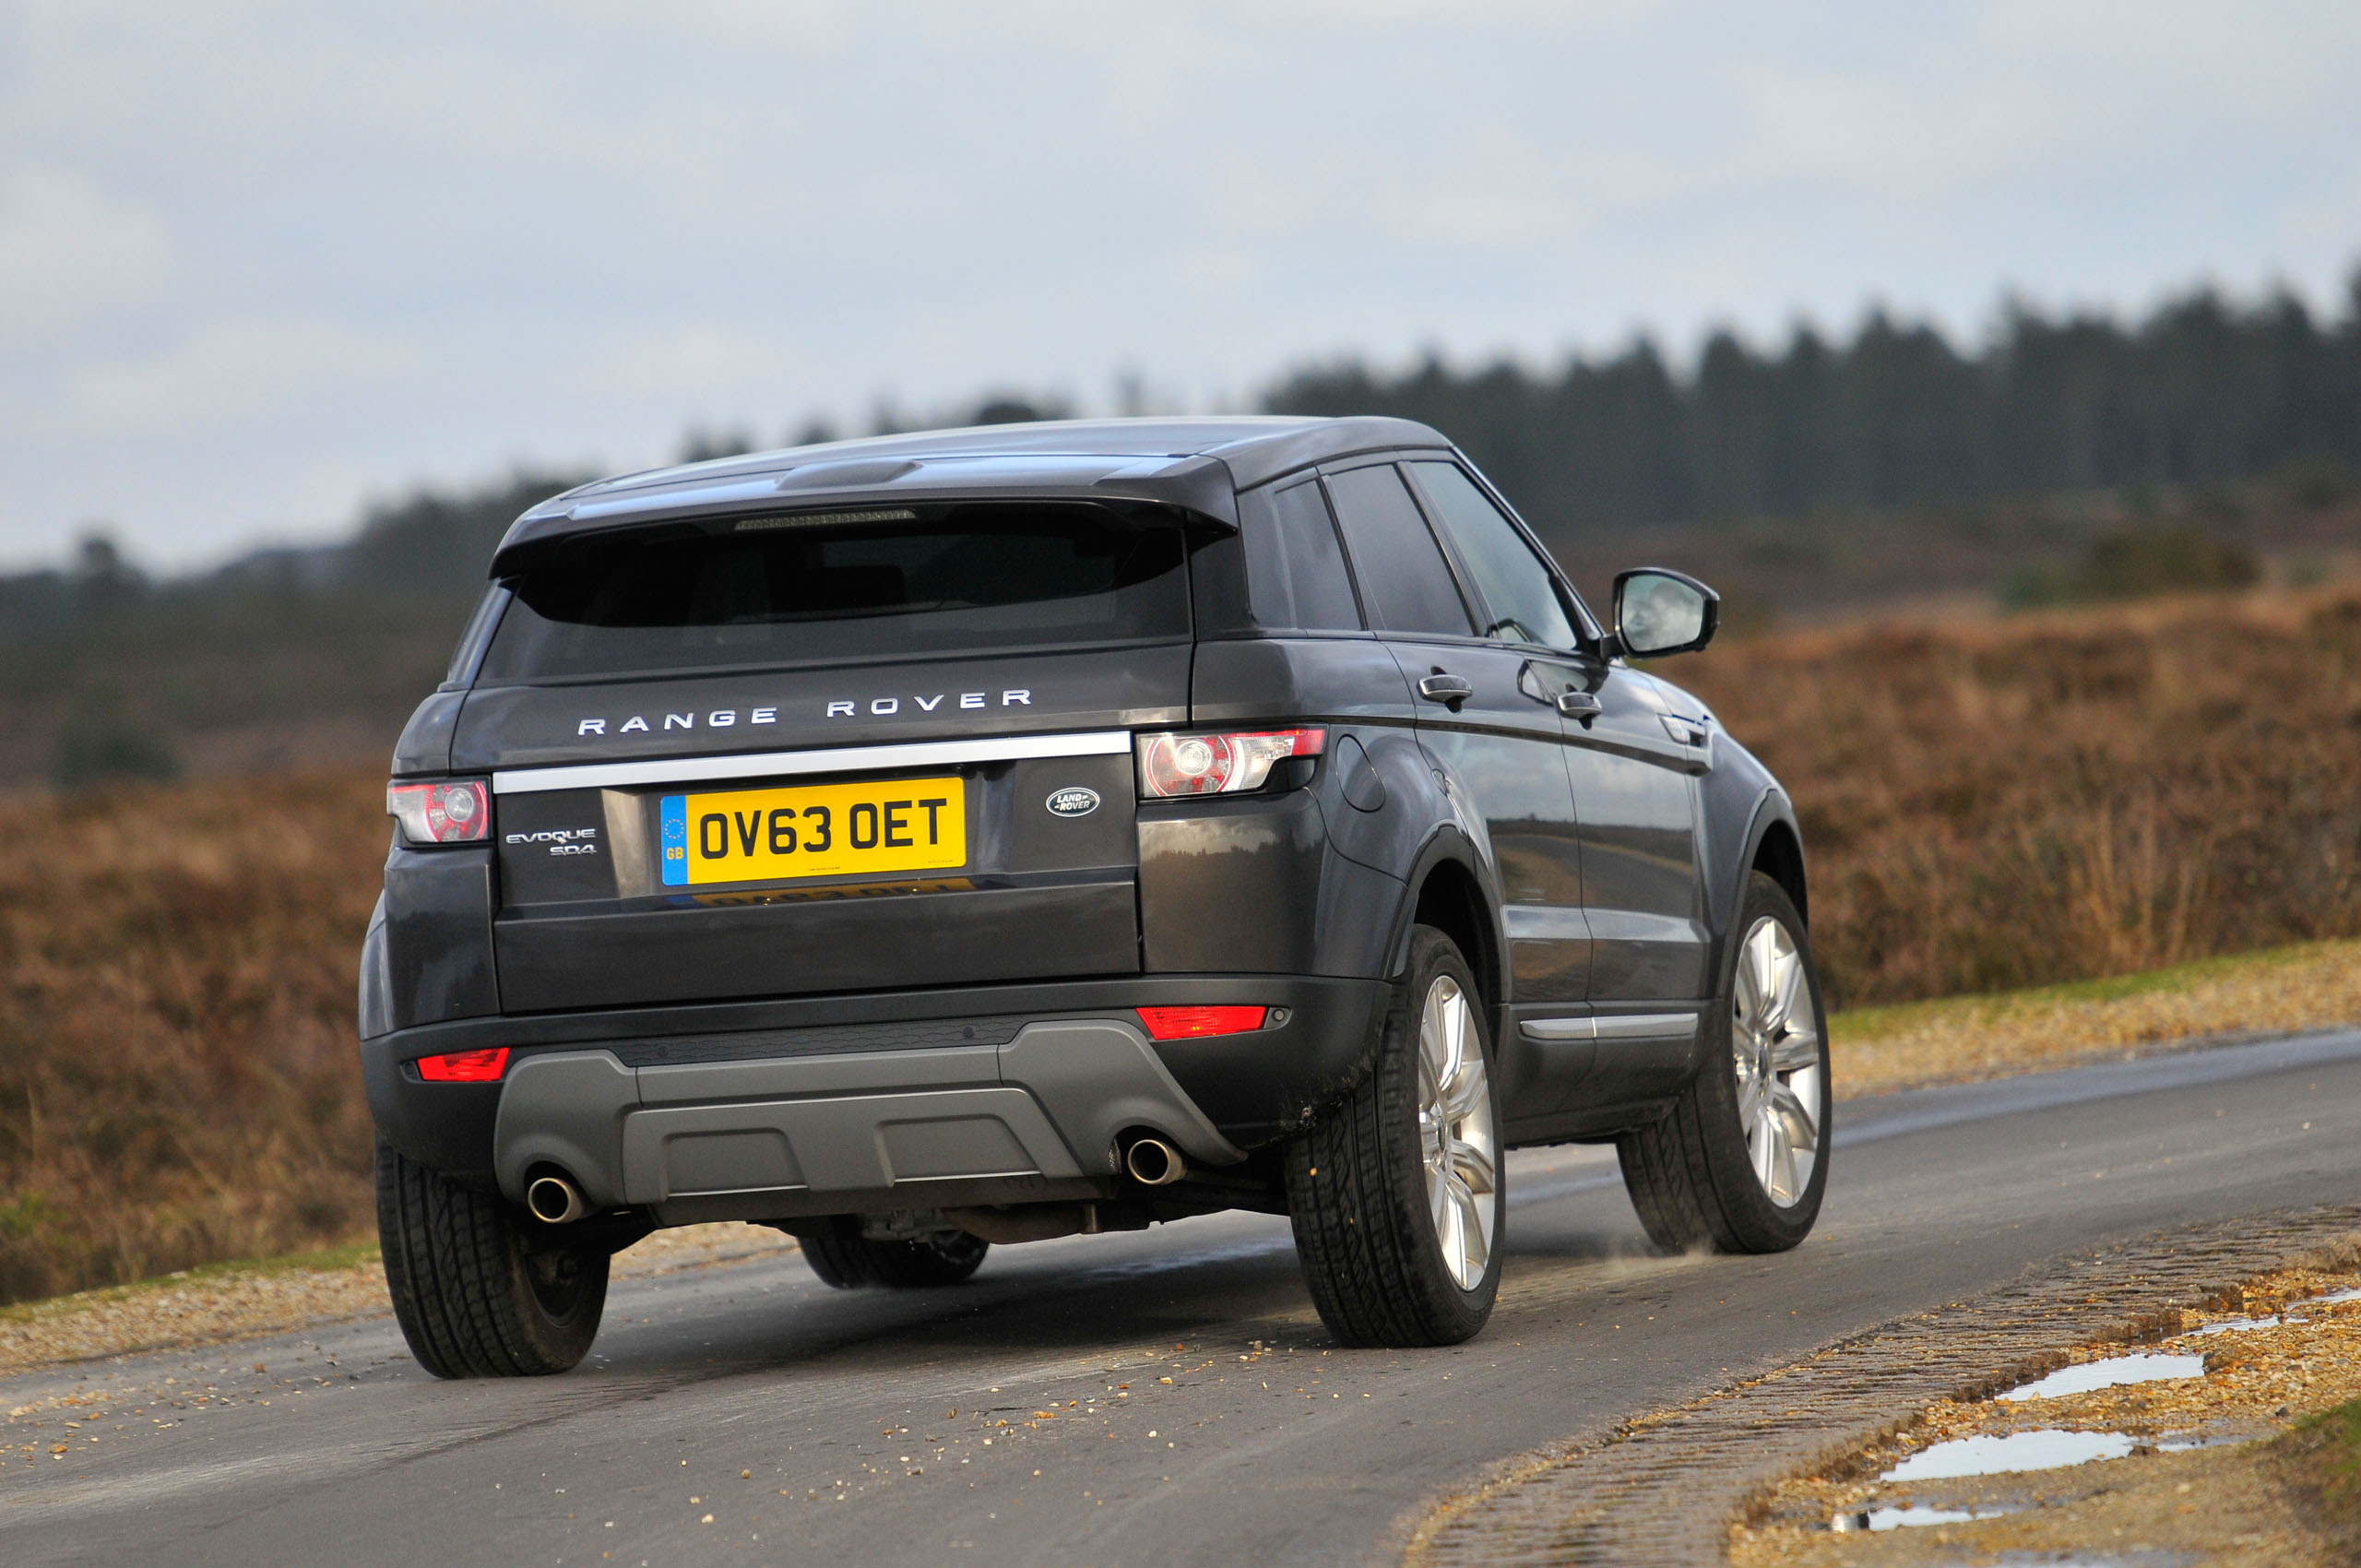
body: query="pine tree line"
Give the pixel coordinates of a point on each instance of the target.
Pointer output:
(2203, 390)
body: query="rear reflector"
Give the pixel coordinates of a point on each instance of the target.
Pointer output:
(464, 1066)
(441, 814)
(1190, 1023)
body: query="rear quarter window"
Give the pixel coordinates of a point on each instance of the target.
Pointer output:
(1295, 566)
(987, 577)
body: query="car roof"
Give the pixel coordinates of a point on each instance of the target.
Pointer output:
(1199, 464)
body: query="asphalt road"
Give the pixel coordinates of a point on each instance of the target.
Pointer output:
(747, 1414)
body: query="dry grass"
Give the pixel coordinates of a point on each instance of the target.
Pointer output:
(2278, 991)
(1988, 805)
(177, 1075)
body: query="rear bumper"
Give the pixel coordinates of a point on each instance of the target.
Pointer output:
(848, 1104)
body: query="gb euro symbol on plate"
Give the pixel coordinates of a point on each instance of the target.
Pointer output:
(868, 827)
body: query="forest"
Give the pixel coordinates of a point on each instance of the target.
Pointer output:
(2203, 390)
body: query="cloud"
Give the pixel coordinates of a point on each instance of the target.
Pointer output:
(69, 252)
(240, 374)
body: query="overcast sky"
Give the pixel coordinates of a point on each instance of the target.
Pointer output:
(260, 264)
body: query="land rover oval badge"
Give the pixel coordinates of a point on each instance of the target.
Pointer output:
(1073, 801)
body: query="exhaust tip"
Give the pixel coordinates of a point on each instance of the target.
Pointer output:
(555, 1201)
(1154, 1163)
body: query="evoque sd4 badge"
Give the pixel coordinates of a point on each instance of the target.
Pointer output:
(1075, 799)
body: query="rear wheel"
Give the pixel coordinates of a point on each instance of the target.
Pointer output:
(1741, 1162)
(475, 1293)
(841, 1256)
(1395, 1194)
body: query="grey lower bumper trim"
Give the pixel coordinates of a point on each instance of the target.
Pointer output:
(1046, 1105)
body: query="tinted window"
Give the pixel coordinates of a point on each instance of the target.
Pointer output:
(1519, 596)
(463, 658)
(1405, 580)
(774, 591)
(1295, 569)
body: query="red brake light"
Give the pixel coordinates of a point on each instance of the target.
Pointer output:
(1220, 764)
(465, 1066)
(1191, 1023)
(441, 814)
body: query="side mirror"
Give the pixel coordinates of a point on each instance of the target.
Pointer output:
(1660, 611)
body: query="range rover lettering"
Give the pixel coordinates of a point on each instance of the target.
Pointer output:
(941, 841)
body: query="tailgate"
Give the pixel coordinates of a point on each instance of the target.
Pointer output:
(780, 756)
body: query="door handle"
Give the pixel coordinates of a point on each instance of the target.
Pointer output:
(1449, 690)
(1583, 706)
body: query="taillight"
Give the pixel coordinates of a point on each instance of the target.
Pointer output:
(441, 814)
(1220, 764)
(465, 1066)
(1193, 1023)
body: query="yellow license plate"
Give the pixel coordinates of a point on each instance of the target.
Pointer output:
(814, 830)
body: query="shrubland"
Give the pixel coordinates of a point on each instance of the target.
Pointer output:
(177, 1075)
(1994, 803)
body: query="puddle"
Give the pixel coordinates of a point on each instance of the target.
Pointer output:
(1910, 1517)
(2113, 1373)
(2049, 1449)
(2249, 1324)
(2233, 1325)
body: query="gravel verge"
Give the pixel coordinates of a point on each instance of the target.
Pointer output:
(1666, 1487)
(2206, 1476)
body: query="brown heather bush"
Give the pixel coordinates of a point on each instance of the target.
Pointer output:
(177, 1073)
(1993, 804)
(1985, 805)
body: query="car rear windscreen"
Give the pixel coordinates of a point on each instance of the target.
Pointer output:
(989, 578)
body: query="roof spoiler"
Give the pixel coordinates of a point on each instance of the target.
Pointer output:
(1200, 486)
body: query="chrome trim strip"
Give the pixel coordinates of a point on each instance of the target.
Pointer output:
(1560, 1028)
(1648, 1025)
(831, 759)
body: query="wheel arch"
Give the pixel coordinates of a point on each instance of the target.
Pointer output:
(1448, 890)
(1778, 853)
(1772, 843)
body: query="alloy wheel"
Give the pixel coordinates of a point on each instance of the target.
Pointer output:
(1456, 1141)
(1775, 1042)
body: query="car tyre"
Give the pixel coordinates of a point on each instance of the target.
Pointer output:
(476, 1295)
(1396, 1193)
(841, 1256)
(1742, 1163)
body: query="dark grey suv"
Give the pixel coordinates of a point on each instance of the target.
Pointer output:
(943, 841)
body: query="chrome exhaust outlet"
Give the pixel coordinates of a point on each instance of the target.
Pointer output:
(1154, 1163)
(555, 1201)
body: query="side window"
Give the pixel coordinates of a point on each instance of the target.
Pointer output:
(1405, 580)
(1295, 569)
(1520, 597)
